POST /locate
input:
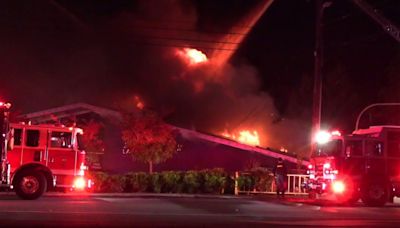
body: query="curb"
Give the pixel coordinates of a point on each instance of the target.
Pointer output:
(142, 195)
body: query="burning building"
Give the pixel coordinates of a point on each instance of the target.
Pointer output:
(199, 150)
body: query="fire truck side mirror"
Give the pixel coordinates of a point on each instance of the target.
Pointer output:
(10, 144)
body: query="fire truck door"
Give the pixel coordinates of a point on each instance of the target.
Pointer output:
(375, 161)
(15, 154)
(61, 154)
(35, 146)
(353, 157)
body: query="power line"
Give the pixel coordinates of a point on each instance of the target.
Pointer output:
(190, 30)
(183, 46)
(191, 40)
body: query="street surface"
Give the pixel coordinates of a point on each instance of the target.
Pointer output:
(69, 210)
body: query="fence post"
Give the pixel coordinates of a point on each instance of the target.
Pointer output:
(236, 183)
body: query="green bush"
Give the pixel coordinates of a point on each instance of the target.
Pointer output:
(104, 182)
(172, 182)
(137, 182)
(191, 180)
(156, 182)
(214, 180)
(257, 179)
(246, 183)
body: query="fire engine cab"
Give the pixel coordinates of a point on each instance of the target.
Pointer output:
(37, 158)
(365, 164)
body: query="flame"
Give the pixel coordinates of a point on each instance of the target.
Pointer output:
(193, 56)
(249, 138)
(226, 134)
(245, 136)
(139, 103)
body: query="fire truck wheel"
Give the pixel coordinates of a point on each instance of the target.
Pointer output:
(375, 194)
(30, 184)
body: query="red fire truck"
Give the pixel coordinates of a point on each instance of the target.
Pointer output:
(37, 158)
(365, 164)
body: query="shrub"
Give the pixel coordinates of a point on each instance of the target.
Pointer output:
(104, 182)
(246, 183)
(155, 181)
(257, 179)
(137, 182)
(172, 182)
(263, 179)
(191, 182)
(214, 180)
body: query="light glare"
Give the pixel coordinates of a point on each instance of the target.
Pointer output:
(79, 183)
(322, 137)
(338, 187)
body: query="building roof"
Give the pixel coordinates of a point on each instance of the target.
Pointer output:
(228, 142)
(67, 111)
(83, 108)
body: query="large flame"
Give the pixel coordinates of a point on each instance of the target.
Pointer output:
(192, 56)
(245, 136)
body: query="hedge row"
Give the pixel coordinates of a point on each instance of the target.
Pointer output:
(204, 181)
(215, 181)
(256, 180)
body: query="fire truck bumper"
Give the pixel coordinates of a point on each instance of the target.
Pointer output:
(314, 186)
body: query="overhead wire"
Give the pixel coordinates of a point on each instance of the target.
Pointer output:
(183, 46)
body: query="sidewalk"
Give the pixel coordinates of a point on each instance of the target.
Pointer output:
(262, 197)
(134, 195)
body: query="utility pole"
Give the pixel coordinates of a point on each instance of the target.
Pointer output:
(387, 25)
(317, 92)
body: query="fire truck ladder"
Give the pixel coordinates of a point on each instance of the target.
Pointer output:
(386, 24)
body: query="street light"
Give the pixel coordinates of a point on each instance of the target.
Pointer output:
(370, 106)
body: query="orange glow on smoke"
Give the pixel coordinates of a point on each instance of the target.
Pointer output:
(193, 56)
(245, 137)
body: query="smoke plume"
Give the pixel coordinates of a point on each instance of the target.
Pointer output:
(212, 96)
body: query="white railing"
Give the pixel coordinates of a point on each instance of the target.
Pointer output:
(294, 182)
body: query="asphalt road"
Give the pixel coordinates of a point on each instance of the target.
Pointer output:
(61, 210)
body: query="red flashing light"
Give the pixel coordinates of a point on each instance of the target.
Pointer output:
(338, 187)
(310, 166)
(4, 104)
(327, 165)
(79, 183)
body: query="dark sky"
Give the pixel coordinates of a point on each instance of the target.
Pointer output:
(57, 52)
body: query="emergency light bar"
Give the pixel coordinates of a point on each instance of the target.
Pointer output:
(323, 137)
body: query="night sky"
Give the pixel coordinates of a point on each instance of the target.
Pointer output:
(57, 52)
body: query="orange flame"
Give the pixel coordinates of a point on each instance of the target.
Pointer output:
(193, 56)
(245, 137)
(139, 103)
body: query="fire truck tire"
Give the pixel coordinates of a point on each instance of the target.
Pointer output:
(375, 194)
(30, 184)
